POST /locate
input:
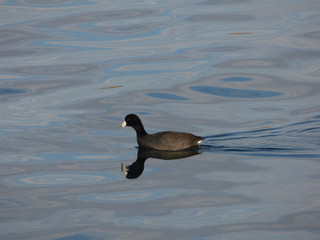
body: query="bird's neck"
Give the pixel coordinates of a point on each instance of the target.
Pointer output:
(140, 130)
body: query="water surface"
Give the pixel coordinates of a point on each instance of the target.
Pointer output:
(244, 74)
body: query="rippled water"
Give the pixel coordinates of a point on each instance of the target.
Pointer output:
(244, 74)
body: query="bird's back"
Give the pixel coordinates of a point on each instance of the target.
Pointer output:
(170, 141)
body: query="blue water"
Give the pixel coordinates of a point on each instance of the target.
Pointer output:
(243, 74)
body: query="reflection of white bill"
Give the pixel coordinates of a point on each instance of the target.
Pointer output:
(124, 169)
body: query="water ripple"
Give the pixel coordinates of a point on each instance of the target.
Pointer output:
(271, 141)
(221, 17)
(252, 63)
(236, 79)
(63, 179)
(235, 93)
(66, 69)
(102, 16)
(10, 203)
(315, 35)
(48, 4)
(250, 86)
(129, 30)
(167, 96)
(16, 37)
(9, 91)
(210, 216)
(136, 196)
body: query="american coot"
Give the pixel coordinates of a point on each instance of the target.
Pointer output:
(170, 141)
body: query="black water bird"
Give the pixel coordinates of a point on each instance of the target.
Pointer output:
(168, 140)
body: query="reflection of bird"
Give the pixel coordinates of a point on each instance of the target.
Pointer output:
(170, 141)
(135, 169)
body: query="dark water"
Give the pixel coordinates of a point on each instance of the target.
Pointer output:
(244, 74)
